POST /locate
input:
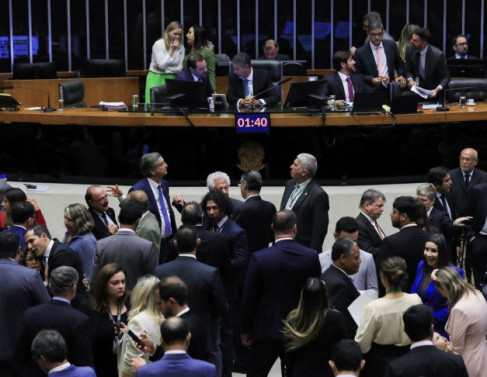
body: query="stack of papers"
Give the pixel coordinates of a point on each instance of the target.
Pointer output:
(112, 106)
(425, 93)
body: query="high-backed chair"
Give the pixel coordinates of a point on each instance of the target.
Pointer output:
(294, 68)
(104, 68)
(470, 88)
(158, 94)
(73, 93)
(32, 71)
(274, 67)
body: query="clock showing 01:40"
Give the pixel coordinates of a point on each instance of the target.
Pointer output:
(252, 122)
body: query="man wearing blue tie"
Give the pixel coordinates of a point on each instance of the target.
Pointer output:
(154, 169)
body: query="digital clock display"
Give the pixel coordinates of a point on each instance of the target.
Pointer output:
(252, 122)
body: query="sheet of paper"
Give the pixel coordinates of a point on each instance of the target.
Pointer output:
(356, 307)
(425, 93)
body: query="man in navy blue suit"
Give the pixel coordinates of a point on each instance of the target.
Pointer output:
(154, 169)
(196, 71)
(176, 362)
(272, 289)
(23, 216)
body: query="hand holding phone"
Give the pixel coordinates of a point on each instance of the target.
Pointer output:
(135, 338)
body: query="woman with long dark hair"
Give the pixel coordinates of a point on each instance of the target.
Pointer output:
(198, 44)
(311, 330)
(14, 195)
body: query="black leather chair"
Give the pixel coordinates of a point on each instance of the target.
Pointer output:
(33, 71)
(104, 68)
(470, 88)
(294, 68)
(274, 67)
(73, 93)
(158, 94)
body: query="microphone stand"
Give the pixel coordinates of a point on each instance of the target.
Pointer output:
(283, 81)
(47, 109)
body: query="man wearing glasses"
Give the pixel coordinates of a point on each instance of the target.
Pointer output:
(460, 46)
(103, 216)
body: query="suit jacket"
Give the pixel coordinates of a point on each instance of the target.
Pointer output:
(459, 193)
(335, 85)
(408, 243)
(311, 209)
(273, 285)
(368, 238)
(144, 185)
(20, 289)
(136, 255)
(365, 62)
(150, 230)
(255, 217)
(449, 199)
(436, 70)
(74, 371)
(177, 365)
(100, 230)
(342, 293)
(427, 361)
(237, 242)
(478, 207)
(186, 75)
(73, 325)
(261, 81)
(19, 231)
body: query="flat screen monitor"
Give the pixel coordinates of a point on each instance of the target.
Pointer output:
(466, 67)
(189, 93)
(306, 93)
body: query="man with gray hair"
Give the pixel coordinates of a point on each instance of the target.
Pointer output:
(154, 169)
(59, 315)
(370, 234)
(305, 197)
(49, 350)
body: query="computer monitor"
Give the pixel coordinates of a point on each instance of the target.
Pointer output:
(186, 93)
(466, 67)
(306, 94)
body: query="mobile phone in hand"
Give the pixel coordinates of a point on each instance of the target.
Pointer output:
(135, 338)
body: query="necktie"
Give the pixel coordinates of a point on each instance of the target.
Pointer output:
(467, 179)
(379, 62)
(216, 228)
(104, 217)
(167, 222)
(421, 67)
(443, 201)
(246, 87)
(350, 90)
(292, 197)
(379, 230)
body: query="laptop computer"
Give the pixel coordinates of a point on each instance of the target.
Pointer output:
(369, 102)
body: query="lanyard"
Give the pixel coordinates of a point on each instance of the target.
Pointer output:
(294, 197)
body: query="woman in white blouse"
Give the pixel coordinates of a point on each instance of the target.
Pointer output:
(167, 58)
(381, 333)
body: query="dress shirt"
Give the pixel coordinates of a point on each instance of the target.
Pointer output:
(100, 215)
(162, 62)
(422, 343)
(374, 224)
(187, 255)
(344, 77)
(448, 210)
(175, 352)
(461, 56)
(59, 368)
(155, 190)
(250, 79)
(184, 311)
(409, 225)
(383, 59)
(57, 298)
(125, 230)
(196, 78)
(284, 239)
(298, 190)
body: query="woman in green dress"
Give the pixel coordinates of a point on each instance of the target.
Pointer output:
(198, 44)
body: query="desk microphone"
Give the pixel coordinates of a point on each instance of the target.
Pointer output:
(443, 105)
(47, 109)
(283, 81)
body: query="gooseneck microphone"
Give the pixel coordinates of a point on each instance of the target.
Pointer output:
(47, 109)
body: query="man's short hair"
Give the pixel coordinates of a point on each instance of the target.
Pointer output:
(372, 16)
(192, 214)
(21, 212)
(308, 162)
(427, 189)
(346, 355)
(423, 33)
(140, 198)
(210, 180)
(129, 213)
(221, 200)
(9, 244)
(174, 287)
(242, 59)
(283, 221)
(38, 230)
(342, 247)
(410, 206)
(454, 39)
(253, 179)
(417, 322)
(346, 224)
(51, 345)
(340, 57)
(193, 59)
(376, 24)
(174, 330)
(186, 237)
(370, 196)
(62, 280)
(148, 162)
(436, 175)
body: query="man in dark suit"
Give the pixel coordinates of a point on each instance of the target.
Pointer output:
(58, 315)
(460, 47)
(345, 255)
(477, 235)
(205, 291)
(103, 216)
(23, 216)
(409, 242)
(344, 83)
(136, 255)
(154, 169)
(56, 254)
(425, 64)
(466, 176)
(20, 289)
(255, 215)
(440, 178)
(305, 197)
(378, 59)
(271, 51)
(424, 359)
(246, 83)
(272, 289)
(346, 359)
(196, 71)
(176, 361)
(370, 234)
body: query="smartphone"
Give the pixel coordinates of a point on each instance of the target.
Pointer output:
(135, 338)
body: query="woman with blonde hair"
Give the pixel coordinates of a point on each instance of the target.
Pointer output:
(310, 332)
(143, 317)
(406, 35)
(467, 323)
(167, 58)
(78, 236)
